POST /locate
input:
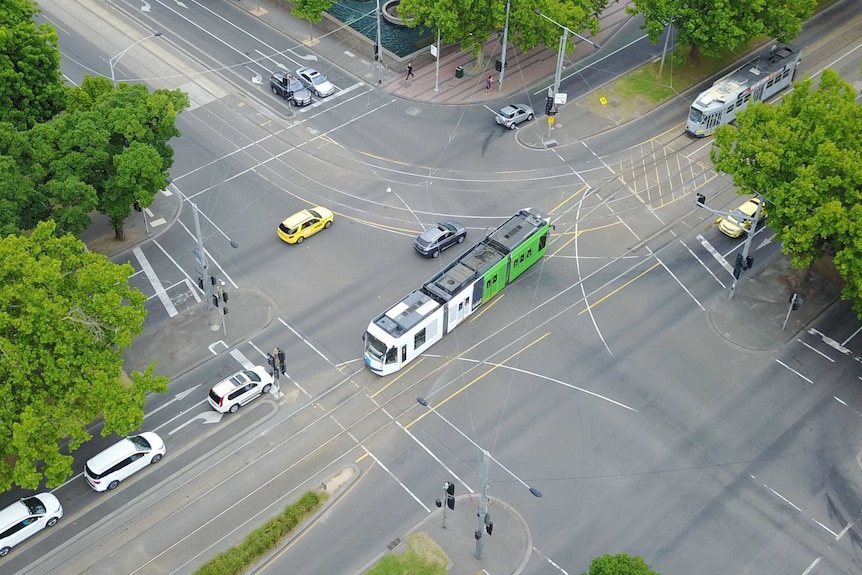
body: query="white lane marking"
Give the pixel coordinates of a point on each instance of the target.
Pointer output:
(241, 358)
(154, 281)
(434, 457)
(718, 257)
(852, 335)
(551, 562)
(793, 370)
(797, 508)
(815, 350)
(189, 281)
(812, 566)
(329, 98)
(206, 416)
(212, 345)
(392, 475)
(210, 259)
(305, 341)
(709, 271)
(178, 397)
(667, 269)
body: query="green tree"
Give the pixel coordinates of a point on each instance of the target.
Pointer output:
(620, 564)
(311, 10)
(31, 87)
(66, 315)
(713, 28)
(471, 23)
(805, 156)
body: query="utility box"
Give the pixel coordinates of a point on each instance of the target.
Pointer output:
(459, 72)
(499, 65)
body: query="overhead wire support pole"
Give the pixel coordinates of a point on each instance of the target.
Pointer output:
(505, 44)
(113, 61)
(379, 54)
(746, 247)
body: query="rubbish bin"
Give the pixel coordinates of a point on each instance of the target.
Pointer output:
(459, 72)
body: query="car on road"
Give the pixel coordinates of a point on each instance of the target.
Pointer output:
(733, 224)
(242, 387)
(434, 240)
(513, 114)
(290, 88)
(316, 82)
(305, 223)
(105, 470)
(26, 517)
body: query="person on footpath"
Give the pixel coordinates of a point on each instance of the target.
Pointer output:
(409, 70)
(488, 83)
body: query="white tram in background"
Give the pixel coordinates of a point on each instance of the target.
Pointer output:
(757, 80)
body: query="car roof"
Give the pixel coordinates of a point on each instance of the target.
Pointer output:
(231, 382)
(280, 74)
(306, 70)
(123, 448)
(13, 514)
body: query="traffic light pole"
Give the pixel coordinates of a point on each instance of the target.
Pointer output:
(746, 248)
(202, 254)
(483, 506)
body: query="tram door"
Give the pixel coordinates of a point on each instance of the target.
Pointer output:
(758, 92)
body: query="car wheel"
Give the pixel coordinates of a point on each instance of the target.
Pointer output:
(435, 253)
(327, 224)
(274, 90)
(300, 239)
(52, 522)
(4, 551)
(512, 126)
(266, 388)
(156, 458)
(529, 117)
(461, 239)
(113, 485)
(233, 408)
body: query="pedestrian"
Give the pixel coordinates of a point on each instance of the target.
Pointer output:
(409, 70)
(488, 83)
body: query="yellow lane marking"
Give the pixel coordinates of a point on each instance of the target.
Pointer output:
(402, 374)
(566, 200)
(628, 283)
(487, 306)
(477, 378)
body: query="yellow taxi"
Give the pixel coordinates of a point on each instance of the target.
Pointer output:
(740, 218)
(304, 223)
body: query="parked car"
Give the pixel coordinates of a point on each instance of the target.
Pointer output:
(242, 387)
(316, 82)
(434, 240)
(742, 217)
(305, 223)
(26, 517)
(513, 114)
(290, 88)
(105, 470)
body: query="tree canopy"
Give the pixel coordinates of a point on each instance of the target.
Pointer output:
(66, 315)
(620, 564)
(472, 23)
(713, 28)
(31, 87)
(106, 151)
(805, 156)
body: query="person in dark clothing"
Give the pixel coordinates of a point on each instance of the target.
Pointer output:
(409, 70)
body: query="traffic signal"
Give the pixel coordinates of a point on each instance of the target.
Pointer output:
(737, 267)
(749, 262)
(215, 300)
(213, 280)
(376, 52)
(270, 359)
(489, 525)
(281, 360)
(201, 283)
(549, 106)
(224, 296)
(224, 311)
(137, 206)
(700, 201)
(450, 496)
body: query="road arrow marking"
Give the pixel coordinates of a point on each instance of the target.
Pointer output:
(311, 57)
(178, 397)
(145, 7)
(206, 416)
(765, 242)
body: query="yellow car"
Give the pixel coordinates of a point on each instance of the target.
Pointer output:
(304, 223)
(741, 218)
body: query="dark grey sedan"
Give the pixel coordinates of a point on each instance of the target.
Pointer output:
(434, 240)
(290, 88)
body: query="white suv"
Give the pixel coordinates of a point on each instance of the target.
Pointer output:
(239, 389)
(27, 517)
(105, 470)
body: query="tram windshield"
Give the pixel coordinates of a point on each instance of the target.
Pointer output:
(374, 347)
(695, 115)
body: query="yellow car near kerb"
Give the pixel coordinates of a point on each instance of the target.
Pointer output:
(740, 218)
(304, 223)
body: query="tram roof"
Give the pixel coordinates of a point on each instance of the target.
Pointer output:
(727, 88)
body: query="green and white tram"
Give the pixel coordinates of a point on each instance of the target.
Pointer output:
(424, 316)
(757, 80)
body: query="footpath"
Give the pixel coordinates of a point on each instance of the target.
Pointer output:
(753, 319)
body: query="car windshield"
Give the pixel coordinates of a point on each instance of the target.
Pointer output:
(446, 228)
(251, 375)
(508, 113)
(318, 80)
(34, 506)
(140, 443)
(315, 214)
(295, 85)
(739, 216)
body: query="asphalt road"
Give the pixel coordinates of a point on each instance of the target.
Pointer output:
(597, 377)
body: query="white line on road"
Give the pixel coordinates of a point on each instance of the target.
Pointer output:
(331, 97)
(434, 457)
(797, 508)
(815, 350)
(667, 269)
(154, 281)
(305, 341)
(709, 271)
(718, 257)
(793, 370)
(830, 342)
(245, 362)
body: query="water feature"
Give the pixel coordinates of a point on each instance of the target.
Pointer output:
(361, 16)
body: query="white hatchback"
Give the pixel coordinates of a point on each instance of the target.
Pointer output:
(240, 388)
(27, 517)
(105, 470)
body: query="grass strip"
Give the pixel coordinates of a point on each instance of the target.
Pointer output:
(421, 557)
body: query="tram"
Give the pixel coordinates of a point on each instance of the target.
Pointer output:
(757, 80)
(424, 316)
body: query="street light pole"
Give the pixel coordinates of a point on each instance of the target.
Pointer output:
(505, 43)
(483, 519)
(113, 61)
(379, 54)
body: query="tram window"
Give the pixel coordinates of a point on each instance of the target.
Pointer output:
(391, 355)
(786, 73)
(404, 353)
(521, 259)
(770, 83)
(747, 97)
(729, 109)
(419, 339)
(488, 284)
(543, 241)
(739, 101)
